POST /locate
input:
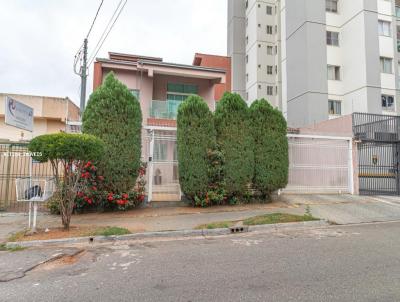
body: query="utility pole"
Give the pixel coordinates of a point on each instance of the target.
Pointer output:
(83, 75)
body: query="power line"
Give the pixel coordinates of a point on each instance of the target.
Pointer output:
(94, 20)
(105, 32)
(94, 52)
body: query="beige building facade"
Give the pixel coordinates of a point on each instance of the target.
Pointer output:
(51, 115)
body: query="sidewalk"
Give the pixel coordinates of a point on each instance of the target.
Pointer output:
(340, 209)
(150, 219)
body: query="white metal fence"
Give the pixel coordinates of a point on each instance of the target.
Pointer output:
(320, 164)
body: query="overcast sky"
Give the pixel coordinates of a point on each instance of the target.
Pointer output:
(39, 38)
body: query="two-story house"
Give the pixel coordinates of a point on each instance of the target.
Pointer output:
(160, 88)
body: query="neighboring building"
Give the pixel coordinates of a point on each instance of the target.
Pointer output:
(214, 61)
(160, 88)
(316, 59)
(51, 115)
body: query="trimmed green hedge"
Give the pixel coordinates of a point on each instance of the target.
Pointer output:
(195, 139)
(271, 163)
(235, 142)
(114, 115)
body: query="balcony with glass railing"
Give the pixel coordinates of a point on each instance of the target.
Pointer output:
(164, 109)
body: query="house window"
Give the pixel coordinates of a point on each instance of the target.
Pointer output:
(182, 88)
(387, 102)
(384, 28)
(269, 10)
(332, 38)
(269, 29)
(332, 6)
(160, 151)
(270, 50)
(270, 90)
(269, 69)
(335, 107)
(333, 73)
(135, 93)
(386, 65)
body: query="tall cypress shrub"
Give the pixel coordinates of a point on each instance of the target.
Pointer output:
(195, 138)
(114, 115)
(271, 163)
(235, 142)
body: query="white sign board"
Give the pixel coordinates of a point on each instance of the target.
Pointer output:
(18, 115)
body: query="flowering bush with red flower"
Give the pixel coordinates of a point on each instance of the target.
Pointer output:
(93, 196)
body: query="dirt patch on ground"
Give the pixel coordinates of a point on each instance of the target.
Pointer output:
(56, 233)
(61, 261)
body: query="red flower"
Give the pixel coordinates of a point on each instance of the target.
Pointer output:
(89, 201)
(100, 178)
(110, 197)
(141, 197)
(94, 188)
(125, 196)
(80, 194)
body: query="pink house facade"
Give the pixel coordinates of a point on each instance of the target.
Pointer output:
(160, 88)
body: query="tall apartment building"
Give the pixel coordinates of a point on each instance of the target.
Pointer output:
(316, 59)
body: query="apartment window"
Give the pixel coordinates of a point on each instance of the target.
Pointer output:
(247, 59)
(247, 77)
(259, 25)
(247, 22)
(270, 50)
(269, 10)
(335, 107)
(276, 29)
(387, 102)
(259, 86)
(333, 73)
(276, 69)
(384, 28)
(270, 90)
(332, 38)
(269, 69)
(247, 40)
(386, 65)
(332, 6)
(247, 3)
(269, 29)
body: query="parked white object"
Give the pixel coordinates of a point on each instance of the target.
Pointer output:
(34, 190)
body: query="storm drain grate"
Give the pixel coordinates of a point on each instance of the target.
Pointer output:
(238, 229)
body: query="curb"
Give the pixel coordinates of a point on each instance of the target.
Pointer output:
(170, 234)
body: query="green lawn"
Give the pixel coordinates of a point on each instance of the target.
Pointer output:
(110, 231)
(259, 220)
(3, 247)
(277, 218)
(216, 225)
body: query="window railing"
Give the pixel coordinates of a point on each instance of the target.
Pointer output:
(164, 109)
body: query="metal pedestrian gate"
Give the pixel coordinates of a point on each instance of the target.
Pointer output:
(378, 145)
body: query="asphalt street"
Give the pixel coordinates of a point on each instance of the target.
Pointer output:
(337, 263)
